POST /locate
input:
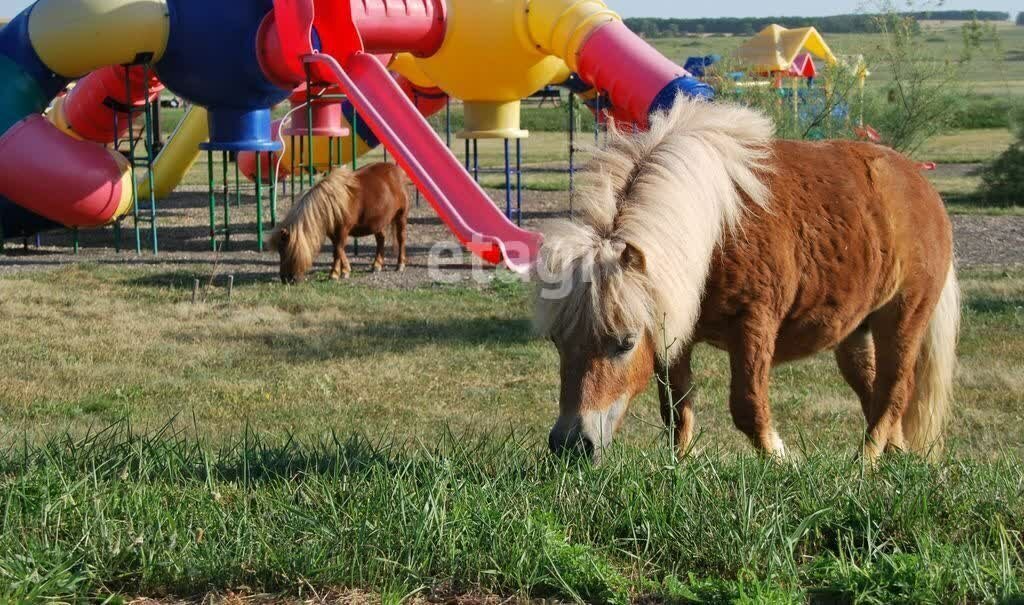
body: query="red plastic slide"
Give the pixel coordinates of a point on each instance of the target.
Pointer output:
(460, 202)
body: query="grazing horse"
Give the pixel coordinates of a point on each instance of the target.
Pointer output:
(345, 203)
(706, 230)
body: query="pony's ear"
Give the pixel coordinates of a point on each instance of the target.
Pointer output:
(633, 259)
(278, 239)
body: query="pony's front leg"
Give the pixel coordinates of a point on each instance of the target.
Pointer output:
(341, 268)
(675, 391)
(378, 260)
(750, 360)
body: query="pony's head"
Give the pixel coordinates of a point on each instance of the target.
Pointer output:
(620, 285)
(319, 212)
(596, 305)
(295, 254)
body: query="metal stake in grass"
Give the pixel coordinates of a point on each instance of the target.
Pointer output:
(231, 285)
(195, 291)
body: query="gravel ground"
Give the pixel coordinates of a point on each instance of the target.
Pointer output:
(185, 246)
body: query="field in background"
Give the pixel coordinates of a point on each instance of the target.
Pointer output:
(995, 72)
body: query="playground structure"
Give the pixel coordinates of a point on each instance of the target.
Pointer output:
(235, 61)
(784, 59)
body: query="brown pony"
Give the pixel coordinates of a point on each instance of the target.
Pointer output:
(704, 230)
(345, 203)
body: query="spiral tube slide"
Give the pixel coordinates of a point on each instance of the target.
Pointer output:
(61, 175)
(54, 169)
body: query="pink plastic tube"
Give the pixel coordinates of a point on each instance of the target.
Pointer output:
(327, 120)
(72, 182)
(633, 73)
(389, 26)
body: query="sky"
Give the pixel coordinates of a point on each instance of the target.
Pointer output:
(721, 8)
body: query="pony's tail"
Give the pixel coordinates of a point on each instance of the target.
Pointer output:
(925, 417)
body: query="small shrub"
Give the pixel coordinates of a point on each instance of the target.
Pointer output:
(984, 111)
(1003, 180)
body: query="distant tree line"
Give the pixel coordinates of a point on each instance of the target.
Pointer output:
(839, 24)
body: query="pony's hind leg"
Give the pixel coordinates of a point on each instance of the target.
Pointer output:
(401, 229)
(677, 400)
(856, 359)
(898, 330)
(750, 361)
(378, 260)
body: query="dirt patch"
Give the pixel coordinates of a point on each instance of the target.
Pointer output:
(184, 241)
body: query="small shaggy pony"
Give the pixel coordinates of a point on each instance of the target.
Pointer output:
(345, 203)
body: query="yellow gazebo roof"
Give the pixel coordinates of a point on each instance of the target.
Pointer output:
(775, 48)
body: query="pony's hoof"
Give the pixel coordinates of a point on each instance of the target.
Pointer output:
(377, 269)
(401, 268)
(334, 277)
(346, 275)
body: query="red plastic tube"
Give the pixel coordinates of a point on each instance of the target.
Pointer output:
(390, 26)
(91, 106)
(344, 27)
(633, 73)
(72, 182)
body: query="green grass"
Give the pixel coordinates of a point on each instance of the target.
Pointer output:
(119, 513)
(349, 437)
(966, 146)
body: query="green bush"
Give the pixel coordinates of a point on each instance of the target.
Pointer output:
(1002, 181)
(984, 111)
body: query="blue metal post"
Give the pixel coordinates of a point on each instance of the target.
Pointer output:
(508, 184)
(519, 182)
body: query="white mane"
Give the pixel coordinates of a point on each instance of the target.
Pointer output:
(670, 193)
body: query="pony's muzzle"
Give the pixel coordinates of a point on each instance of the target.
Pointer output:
(570, 442)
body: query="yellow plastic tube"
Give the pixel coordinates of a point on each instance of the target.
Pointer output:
(178, 155)
(560, 27)
(74, 37)
(58, 118)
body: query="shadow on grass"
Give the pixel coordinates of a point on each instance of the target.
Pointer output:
(391, 336)
(174, 454)
(990, 305)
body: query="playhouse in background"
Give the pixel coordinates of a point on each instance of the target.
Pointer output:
(795, 62)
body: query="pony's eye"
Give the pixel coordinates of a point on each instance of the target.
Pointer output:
(626, 345)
